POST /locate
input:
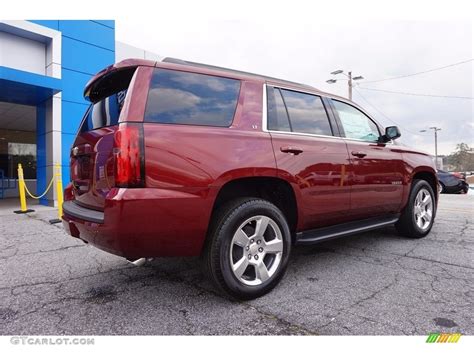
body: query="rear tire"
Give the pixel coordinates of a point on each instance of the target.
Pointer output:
(418, 216)
(248, 248)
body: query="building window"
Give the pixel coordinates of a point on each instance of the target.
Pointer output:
(18, 147)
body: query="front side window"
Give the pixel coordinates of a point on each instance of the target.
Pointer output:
(189, 98)
(355, 123)
(307, 113)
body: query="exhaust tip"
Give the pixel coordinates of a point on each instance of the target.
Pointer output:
(139, 262)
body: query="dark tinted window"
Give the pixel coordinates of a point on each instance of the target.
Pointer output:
(104, 113)
(189, 98)
(307, 113)
(277, 115)
(355, 123)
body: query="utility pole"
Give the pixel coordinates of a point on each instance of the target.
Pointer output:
(349, 79)
(435, 129)
(350, 85)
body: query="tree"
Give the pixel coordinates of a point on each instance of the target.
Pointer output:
(462, 158)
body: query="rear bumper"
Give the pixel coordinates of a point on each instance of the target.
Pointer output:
(143, 222)
(74, 210)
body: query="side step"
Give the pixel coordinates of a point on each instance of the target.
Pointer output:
(321, 234)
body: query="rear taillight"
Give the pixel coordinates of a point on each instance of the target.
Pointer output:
(129, 156)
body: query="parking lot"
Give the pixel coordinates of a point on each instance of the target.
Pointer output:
(373, 283)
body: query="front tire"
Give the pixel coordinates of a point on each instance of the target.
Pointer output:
(418, 216)
(248, 248)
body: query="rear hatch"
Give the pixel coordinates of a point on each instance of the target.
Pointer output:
(93, 166)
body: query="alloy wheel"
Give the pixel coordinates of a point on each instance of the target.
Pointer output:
(256, 250)
(423, 209)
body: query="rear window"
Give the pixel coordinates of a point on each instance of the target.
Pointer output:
(104, 113)
(192, 99)
(107, 95)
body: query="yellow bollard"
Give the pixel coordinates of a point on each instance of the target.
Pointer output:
(59, 194)
(21, 190)
(59, 190)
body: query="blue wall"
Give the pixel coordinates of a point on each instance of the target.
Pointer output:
(87, 47)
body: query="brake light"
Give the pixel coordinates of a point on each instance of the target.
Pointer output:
(129, 160)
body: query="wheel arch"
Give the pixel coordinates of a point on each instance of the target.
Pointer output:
(429, 175)
(271, 188)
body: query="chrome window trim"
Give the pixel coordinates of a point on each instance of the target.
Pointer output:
(265, 115)
(265, 118)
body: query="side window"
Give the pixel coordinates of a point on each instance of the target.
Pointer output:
(189, 98)
(355, 123)
(277, 115)
(307, 113)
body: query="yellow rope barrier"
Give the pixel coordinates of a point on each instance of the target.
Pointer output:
(59, 192)
(44, 193)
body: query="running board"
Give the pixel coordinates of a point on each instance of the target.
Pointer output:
(321, 234)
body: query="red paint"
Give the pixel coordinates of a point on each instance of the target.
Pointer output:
(186, 166)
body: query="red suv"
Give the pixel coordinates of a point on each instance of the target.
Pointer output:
(176, 158)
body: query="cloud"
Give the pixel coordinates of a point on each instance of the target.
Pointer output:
(168, 100)
(307, 48)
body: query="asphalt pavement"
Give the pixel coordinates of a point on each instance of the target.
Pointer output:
(369, 284)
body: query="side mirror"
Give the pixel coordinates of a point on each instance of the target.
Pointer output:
(391, 133)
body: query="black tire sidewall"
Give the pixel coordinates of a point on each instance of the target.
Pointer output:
(224, 236)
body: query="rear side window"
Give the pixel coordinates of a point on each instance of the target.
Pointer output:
(193, 99)
(104, 113)
(307, 113)
(277, 115)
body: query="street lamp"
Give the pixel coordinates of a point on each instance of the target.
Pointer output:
(349, 79)
(435, 129)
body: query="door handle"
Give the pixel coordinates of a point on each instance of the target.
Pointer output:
(358, 154)
(291, 150)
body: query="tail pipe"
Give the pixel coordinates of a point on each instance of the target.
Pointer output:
(139, 262)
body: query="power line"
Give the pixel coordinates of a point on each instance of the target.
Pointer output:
(416, 94)
(383, 114)
(421, 72)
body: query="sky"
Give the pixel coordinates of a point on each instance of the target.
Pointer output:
(305, 47)
(305, 40)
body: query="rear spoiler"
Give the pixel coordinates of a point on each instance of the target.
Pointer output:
(90, 89)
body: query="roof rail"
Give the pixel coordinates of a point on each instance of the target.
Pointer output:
(208, 66)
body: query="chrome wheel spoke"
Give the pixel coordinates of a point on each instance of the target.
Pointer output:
(261, 272)
(261, 227)
(417, 200)
(419, 222)
(273, 246)
(426, 201)
(240, 238)
(240, 266)
(429, 214)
